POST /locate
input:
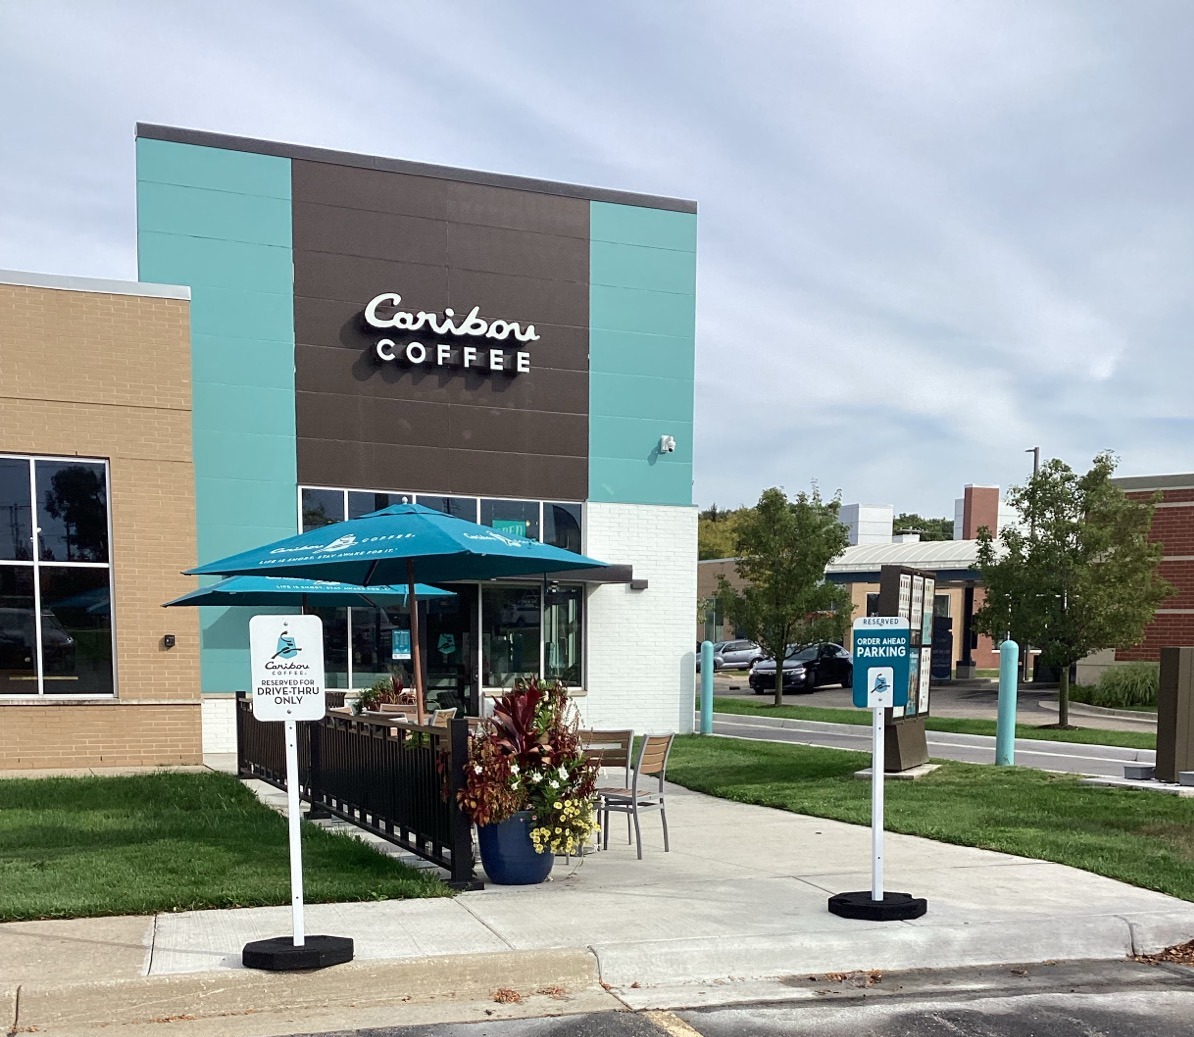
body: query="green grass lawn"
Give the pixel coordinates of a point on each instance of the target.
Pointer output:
(956, 725)
(1138, 837)
(72, 847)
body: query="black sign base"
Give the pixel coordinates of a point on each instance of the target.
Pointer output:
(279, 954)
(893, 907)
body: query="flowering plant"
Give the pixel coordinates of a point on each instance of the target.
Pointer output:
(528, 756)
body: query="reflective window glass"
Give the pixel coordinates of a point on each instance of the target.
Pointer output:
(335, 644)
(322, 508)
(450, 659)
(376, 653)
(18, 667)
(563, 633)
(76, 631)
(510, 634)
(72, 511)
(561, 526)
(461, 507)
(518, 517)
(362, 503)
(15, 510)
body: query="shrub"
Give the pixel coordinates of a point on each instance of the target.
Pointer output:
(1132, 684)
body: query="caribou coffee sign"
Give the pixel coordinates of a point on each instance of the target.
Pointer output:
(474, 342)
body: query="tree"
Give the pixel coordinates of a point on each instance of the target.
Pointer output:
(1082, 578)
(715, 531)
(781, 548)
(928, 528)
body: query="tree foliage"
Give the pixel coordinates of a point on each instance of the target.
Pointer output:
(716, 529)
(928, 528)
(1079, 576)
(781, 548)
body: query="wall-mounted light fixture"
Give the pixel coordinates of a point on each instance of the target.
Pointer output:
(667, 444)
(638, 585)
(168, 641)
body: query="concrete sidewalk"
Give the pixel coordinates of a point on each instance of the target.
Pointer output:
(735, 911)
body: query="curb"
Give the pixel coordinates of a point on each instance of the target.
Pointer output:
(687, 972)
(239, 992)
(1086, 709)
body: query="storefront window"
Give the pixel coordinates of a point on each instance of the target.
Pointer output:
(18, 663)
(335, 645)
(563, 634)
(15, 510)
(450, 658)
(461, 507)
(72, 512)
(322, 508)
(561, 526)
(76, 631)
(55, 602)
(362, 503)
(510, 634)
(376, 653)
(518, 517)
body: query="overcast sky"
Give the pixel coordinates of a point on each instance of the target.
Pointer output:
(932, 234)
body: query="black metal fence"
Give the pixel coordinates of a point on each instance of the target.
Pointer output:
(397, 781)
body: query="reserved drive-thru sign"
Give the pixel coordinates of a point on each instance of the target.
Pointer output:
(286, 655)
(881, 652)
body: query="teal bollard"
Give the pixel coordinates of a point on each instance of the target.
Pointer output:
(1005, 725)
(707, 688)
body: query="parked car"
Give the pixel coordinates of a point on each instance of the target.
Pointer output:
(737, 655)
(806, 667)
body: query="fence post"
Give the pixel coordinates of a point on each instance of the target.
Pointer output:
(464, 874)
(317, 811)
(240, 734)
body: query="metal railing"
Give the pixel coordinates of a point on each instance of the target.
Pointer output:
(398, 781)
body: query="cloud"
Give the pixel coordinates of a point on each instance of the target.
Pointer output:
(931, 234)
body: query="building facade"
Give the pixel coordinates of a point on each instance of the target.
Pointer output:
(516, 352)
(97, 497)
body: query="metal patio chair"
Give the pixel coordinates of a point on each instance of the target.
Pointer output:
(611, 750)
(651, 763)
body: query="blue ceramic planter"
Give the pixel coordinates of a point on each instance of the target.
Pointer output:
(509, 856)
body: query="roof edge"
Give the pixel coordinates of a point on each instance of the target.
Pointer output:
(1155, 482)
(278, 149)
(99, 285)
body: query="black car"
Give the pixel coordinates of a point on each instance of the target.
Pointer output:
(806, 667)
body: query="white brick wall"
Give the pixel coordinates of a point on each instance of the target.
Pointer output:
(640, 661)
(219, 723)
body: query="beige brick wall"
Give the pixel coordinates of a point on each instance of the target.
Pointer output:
(109, 376)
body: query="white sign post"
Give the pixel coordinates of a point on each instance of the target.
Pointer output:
(286, 659)
(882, 646)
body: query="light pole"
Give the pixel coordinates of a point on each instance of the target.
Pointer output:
(1036, 463)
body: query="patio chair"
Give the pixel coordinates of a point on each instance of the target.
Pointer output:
(441, 717)
(612, 750)
(651, 763)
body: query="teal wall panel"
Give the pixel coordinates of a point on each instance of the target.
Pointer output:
(642, 347)
(220, 221)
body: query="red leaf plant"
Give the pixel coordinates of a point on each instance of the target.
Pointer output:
(528, 756)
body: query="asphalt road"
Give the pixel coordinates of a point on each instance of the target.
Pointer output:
(1107, 761)
(1080, 999)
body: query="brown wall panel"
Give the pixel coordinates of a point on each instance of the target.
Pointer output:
(371, 189)
(518, 255)
(359, 232)
(518, 210)
(501, 251)
(356, 279)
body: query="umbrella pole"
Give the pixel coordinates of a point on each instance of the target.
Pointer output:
(416, 654)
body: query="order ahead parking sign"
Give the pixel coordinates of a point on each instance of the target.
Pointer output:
(881, 652)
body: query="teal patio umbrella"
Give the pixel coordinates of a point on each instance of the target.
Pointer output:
(272, 591)
(401, 543)
(282, 590)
